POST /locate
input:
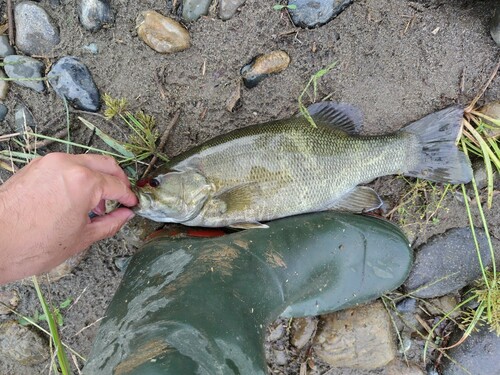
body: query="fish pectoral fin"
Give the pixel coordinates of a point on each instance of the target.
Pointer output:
(360, 199)
(238, 198)
(340, 116)
(252, 225)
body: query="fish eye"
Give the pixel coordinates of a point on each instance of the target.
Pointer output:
(154, 182)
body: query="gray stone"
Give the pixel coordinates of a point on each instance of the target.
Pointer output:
(447, 263)
(407, 305)
(194, 9)
(3, 111)
(276, 332)
(312, 13)
(23, 119)
(228, 8)
(25, 71)
(4, 85)
(92, 48)
(359, 338)
(72, 80)
(5, 48)
(22, 345)
(479, 354)
(495, 25)
(94, 14)
(36, 32)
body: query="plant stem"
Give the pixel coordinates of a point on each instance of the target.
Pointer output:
(61, 354)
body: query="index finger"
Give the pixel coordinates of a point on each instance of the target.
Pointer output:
(104, 164)
(113, 188)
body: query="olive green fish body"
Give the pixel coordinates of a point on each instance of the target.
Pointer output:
(287, 167)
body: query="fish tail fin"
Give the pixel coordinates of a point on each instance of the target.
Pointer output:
(441, 160)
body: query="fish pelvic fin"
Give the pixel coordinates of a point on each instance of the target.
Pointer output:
(250, 225)
(340, 116)
(360, 199)
(441, 160)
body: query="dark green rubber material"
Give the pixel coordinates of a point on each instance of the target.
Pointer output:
(201, 306)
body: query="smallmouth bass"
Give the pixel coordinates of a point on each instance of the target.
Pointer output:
(288, 167)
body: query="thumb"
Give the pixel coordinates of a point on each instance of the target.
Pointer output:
(108, 225)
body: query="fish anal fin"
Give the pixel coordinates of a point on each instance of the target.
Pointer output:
(360, 199)
(250, 225)
(340, 116)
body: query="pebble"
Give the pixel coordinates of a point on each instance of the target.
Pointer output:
(312, 13)
(5, 48)
(303, 330)
(92, 48)
(21, 67)
(22, 345)
(3, 111)
(194, 9)
(443, 305)
(479, 354)
(4, 86)
(23, 119)
(94, 14)
(359, 338)
(407, 305)
(36, 32)
(495, 25)
(277, 333)
(163, 34)
(262, 66)
(228, 8)
(8, 298)
(280, 357)
(450, 254)
(72, 80)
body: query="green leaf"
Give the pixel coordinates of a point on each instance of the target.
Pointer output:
(115, 145)
(66, 303)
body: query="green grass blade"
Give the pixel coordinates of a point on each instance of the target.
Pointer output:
(107, 139)
(61, 354)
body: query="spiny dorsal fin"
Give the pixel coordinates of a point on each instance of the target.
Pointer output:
(338, 115)
(361, 199)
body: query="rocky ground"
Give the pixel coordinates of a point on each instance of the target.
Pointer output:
(396, 60)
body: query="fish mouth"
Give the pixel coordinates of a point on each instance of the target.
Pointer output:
(145, 200)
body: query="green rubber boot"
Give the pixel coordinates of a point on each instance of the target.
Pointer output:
(201, 306)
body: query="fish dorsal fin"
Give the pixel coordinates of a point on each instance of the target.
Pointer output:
(341, 116)
(361, 199)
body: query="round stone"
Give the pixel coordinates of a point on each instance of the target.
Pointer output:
(36, 32)
(312, 13)
(25, 71)
(228, 8)
(163, 34)
(194, 9)
(94, 14)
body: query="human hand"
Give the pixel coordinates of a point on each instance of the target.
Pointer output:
(44, 211)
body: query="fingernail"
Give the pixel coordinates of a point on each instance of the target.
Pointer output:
(131, 216)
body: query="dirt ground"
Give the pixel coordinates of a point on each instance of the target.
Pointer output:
(397, 61)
